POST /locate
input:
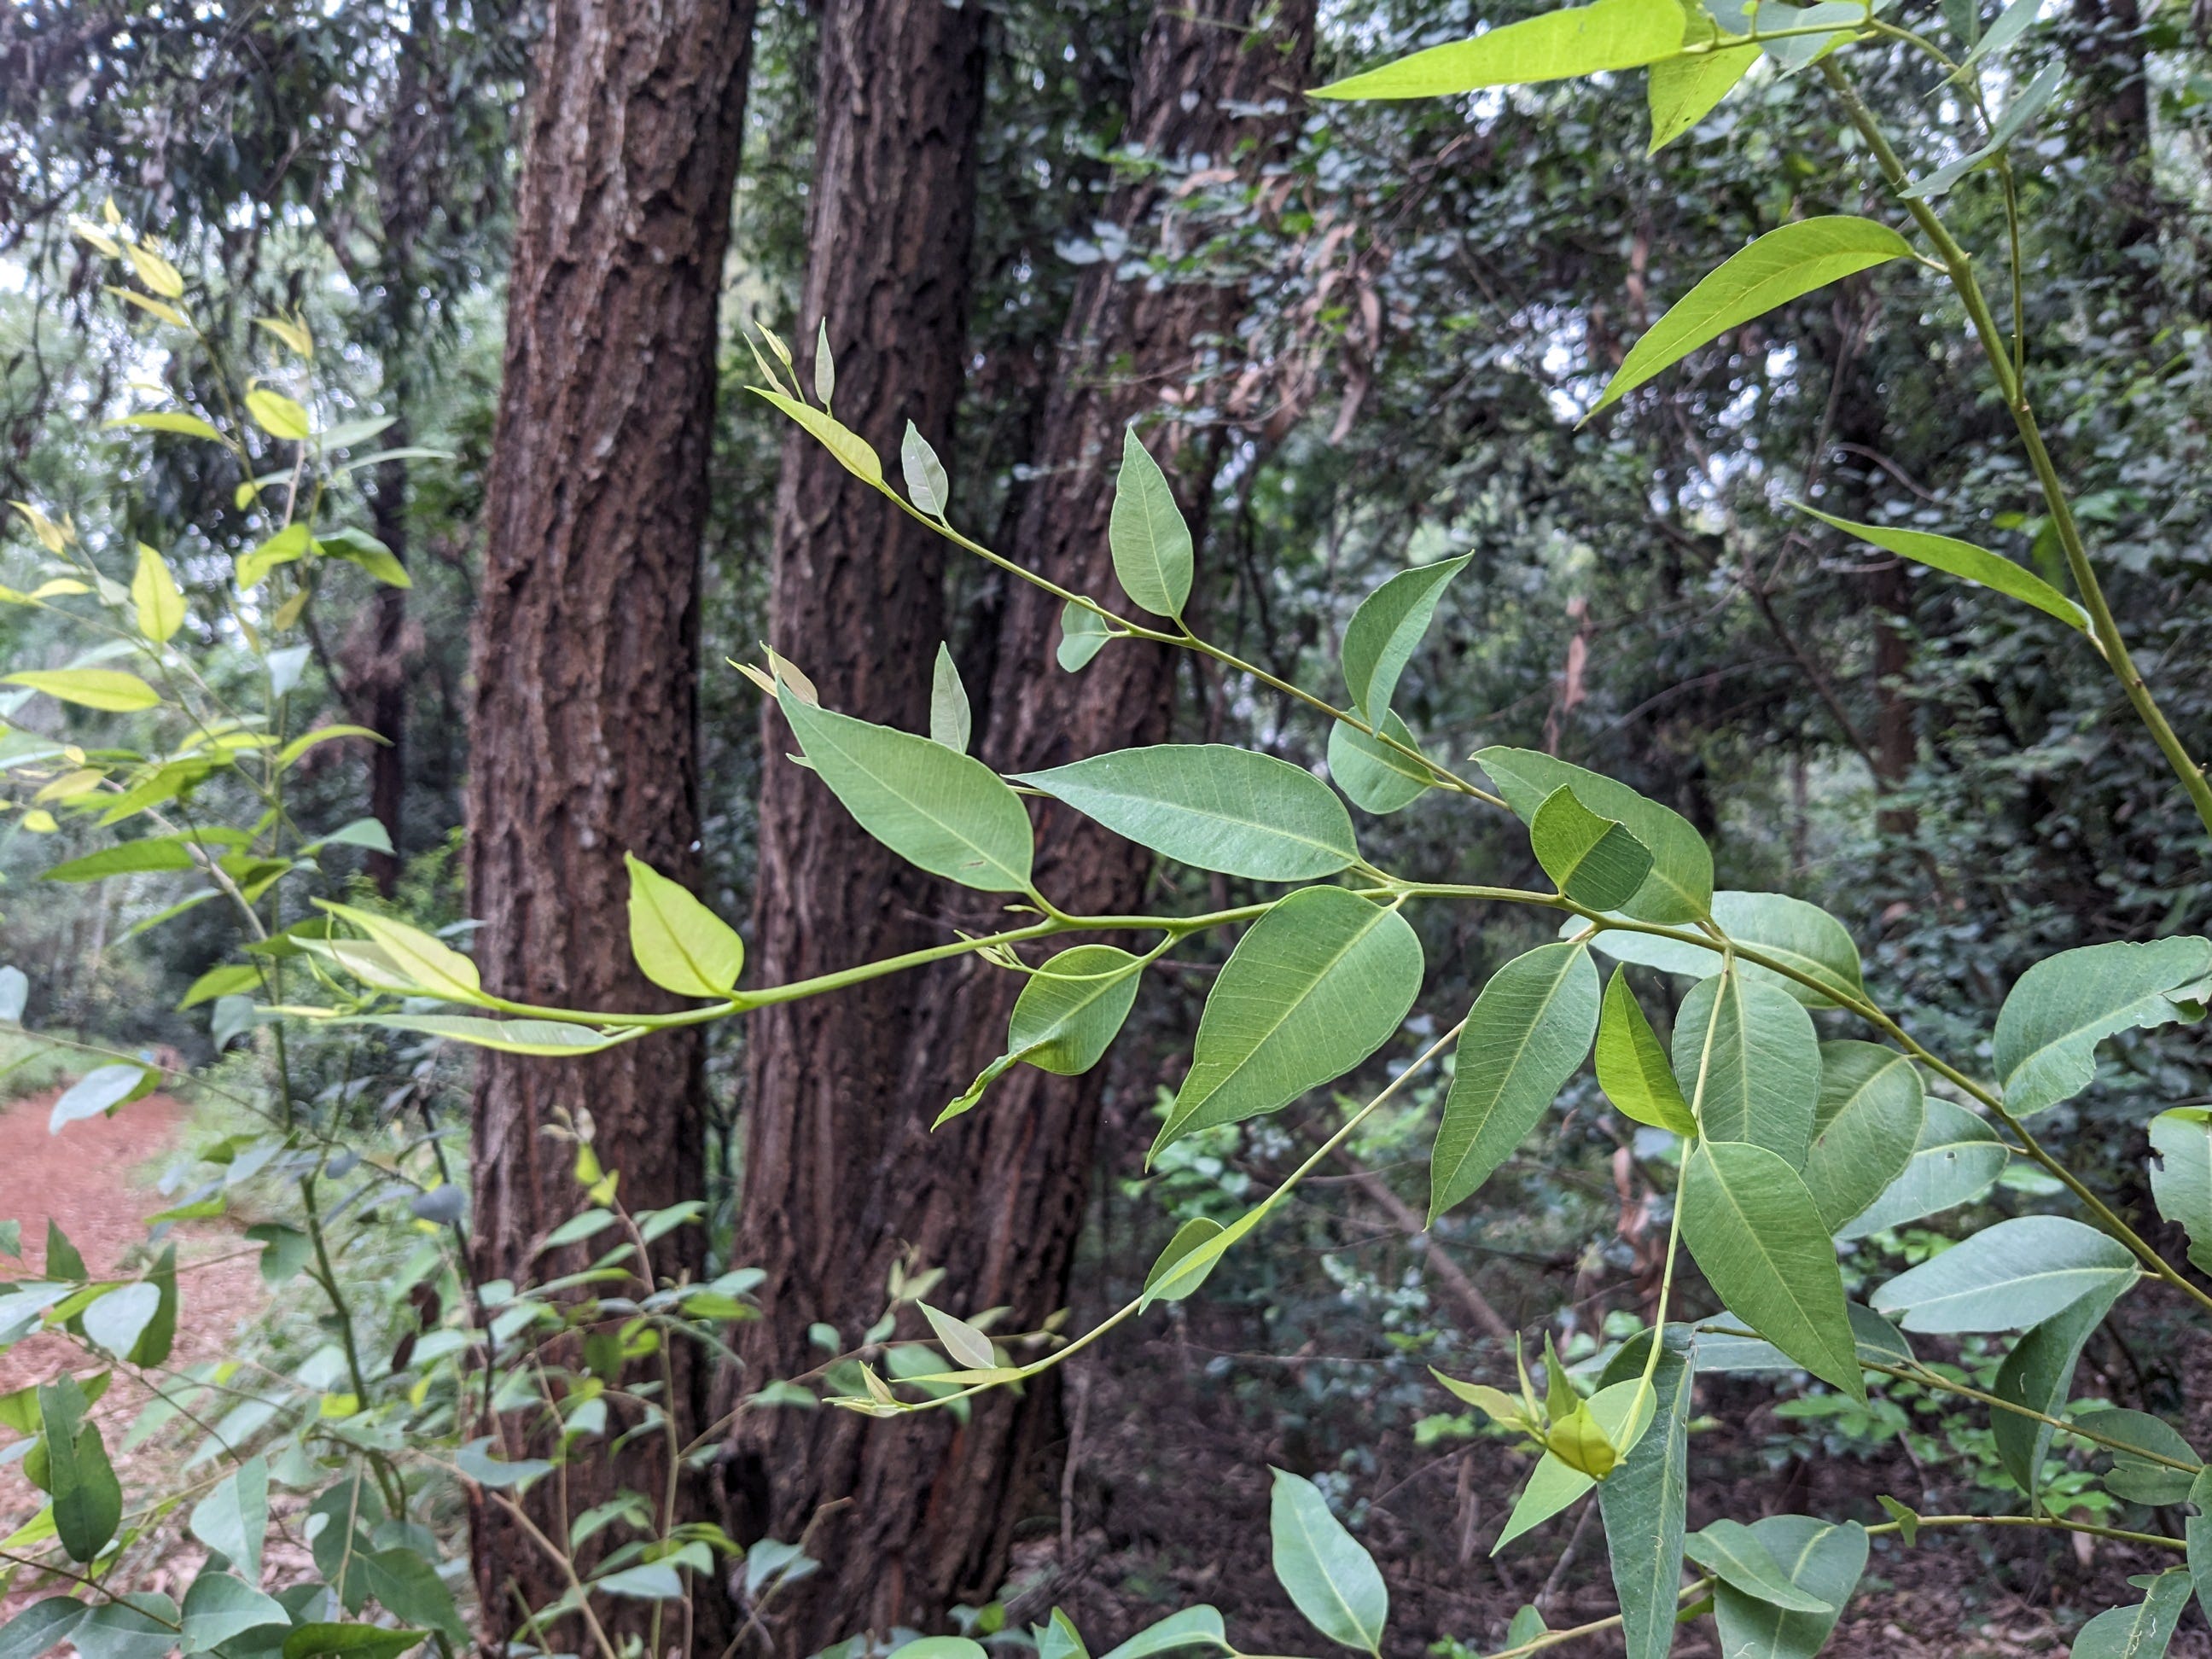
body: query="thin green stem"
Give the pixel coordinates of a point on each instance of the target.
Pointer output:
(2104, 627)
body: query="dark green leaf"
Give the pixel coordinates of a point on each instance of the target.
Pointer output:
(1631, 1066)
(2143, 1632)
(1819, 1558)
(1680, 888)
(1385, 630)
(1643, 1501)
(2038, 1374)
(87, 1498)
(1595, 860)
(1733, 1553)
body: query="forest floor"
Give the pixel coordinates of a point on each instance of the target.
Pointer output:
(96, 1179)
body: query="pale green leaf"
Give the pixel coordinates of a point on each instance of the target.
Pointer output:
(1595, 860)
(508, 1037)
(1802, 936)
(950, 721)
(1754, 1230)
(278, 415)
(2046, 1043)
(218, 1606)
(1622, 1412)
(1149, 537)
(1378, 778)
(1685, 89)
(436, 969)
(116, 1321)
(1067, 1016)
(358, 547)
(1527, 1033)
(2144, 1630)
(926, 486)
(1631, 1066)
(1791, 261)
(679, 943)
(1733, 1554)
(1966, 561)
(1822, 1559)
(290, 544)
(2197, 1534)
(154, 593)
(1680, 888)
(232, 1520)
(108, 690)
(1747, 1057)
(1865, 1128)
(41, 1627)
(2009, 1276)
(167, 420)
(1083, 633)
(1193, 1627)
(948, 813)
(1328, 1576)
(1212, 806)
(1957, 1158)
(1612, 34)
(1385, 630)
(2181, 1176)
(847, 446)
(1317, 985)
(2148, 1474)
(1163, 1282)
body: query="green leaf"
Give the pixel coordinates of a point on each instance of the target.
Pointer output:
(1612, 34)
(118, 1319)
(358, 547)
(1378, 778)
(849, 449)
(967, 1348)
(1384, 631)
(1631, 1066)
(508, 1036)
(291, 543)
(232, 1520)
(1685, 89)
(87, 1498)
(1758, 1236)
(278, 415)
(2181, 1176)
(2143, 1632)
(1957, 1157)
(1733, 1553)
(1595, 860)
(1752, 1065)
(1865, 1127)
(1823, 1561)
(408, 1588)
(1643, 1501)
(100, 1090)
(41, 1627)
(1789, 261)
(1067, 1016)
(1621, 1412)
(1083, 633)
(137, 1625)
(947, 813)
(154, 594)
(2031, 102)
(1146, 530)
(1801, 935)
(1680, 888)
(1527, 1033)
(218, 1606)
(1317, 985)
(1163, 1282)
(108, 690)
(1328, 1576)
(2038, 1374)
(926, 486)
(2150, 1478)
(1212, 806)
(350, 1642)
(1199, 1626)
(2014, 21)
(232, 979)
(1793, 50)
(2196, 1533)
(2047, 1032)
(950, 721)
(1965, 560)
(128, 858)
(434, 968)
(2009, 1276)
(679, 943)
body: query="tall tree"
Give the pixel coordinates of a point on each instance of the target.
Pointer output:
(587, 629)
(856, 599)
(844, 1179)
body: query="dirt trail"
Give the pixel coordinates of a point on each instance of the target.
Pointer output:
(94, 1179)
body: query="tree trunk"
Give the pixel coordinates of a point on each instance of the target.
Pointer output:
(386, 699)
(857, 601)
(585, 639)
(844, 1178)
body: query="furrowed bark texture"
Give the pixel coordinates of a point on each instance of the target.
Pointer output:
(585, 644)
(843, 1175)
(856, 601)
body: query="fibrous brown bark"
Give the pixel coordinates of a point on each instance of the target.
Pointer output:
(844, 1177)
(586, 632)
